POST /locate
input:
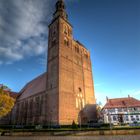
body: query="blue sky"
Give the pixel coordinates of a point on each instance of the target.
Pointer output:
(110, 29)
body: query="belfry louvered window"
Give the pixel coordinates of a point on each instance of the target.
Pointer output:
(66, 42)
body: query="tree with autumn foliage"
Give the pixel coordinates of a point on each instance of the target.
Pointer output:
(6, 102)
(99, 112)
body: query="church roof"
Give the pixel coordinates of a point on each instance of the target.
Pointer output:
(122, 103)
(9, 92)
(13, 94)
(34, 87)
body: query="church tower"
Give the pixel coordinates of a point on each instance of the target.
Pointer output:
(69, 73)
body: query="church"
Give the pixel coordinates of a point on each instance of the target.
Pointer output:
(65, 92)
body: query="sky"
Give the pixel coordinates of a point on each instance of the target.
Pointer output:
(110, 29)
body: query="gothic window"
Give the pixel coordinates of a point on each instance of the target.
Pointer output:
(83, 101)
(20, 112)
(80, 90)
(77, 49)
(25, 111)
(53, 42)
(22, 109)
(17, 111)
(65, 30)
(80, 102)
(66, 42)
(77, 103)
(37, 106)
(69, 32)
(86, 56)
(54, 33)
(41, 105)
(31, 108)
(54, 30)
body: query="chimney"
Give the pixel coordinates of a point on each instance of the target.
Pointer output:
(107, 99)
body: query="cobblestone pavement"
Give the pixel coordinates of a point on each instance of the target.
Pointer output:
(136, 137)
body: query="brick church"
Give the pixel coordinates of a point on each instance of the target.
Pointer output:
(65, 93)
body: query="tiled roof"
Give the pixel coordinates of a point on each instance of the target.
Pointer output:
(14, 94)
(122, 103)
(34, 87)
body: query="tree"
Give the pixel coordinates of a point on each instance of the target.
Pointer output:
(99, 112)
(6, 102)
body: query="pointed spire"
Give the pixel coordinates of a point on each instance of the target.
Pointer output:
(60, 10)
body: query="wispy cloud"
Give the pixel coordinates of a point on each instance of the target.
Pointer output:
(19, 69)
(23, 28)
(98, 84)
(1, 62)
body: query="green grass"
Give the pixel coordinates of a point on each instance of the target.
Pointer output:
(32, 129)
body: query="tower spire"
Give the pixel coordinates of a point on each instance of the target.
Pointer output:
(60, 10)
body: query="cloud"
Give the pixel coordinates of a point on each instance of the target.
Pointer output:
(23, 28)
(1, 62)
(19, 69)
(98, 84)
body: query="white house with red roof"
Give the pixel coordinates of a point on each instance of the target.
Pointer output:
(121, 111)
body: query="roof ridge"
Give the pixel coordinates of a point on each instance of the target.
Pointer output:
(120, 98)
(122, 102)
(33, 81)
(28, 83)
(36, 78)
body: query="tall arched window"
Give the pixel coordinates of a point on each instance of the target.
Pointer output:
(80, 90)
(77, 49)
(66, 42)
(80, 102)
(86, 55)
(65, 30)
(54, 42)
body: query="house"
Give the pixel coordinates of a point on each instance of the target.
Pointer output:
(121, 111)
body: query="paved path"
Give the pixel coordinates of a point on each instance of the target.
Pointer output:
(137, 137)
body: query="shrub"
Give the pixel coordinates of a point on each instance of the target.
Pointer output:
(74, 125)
